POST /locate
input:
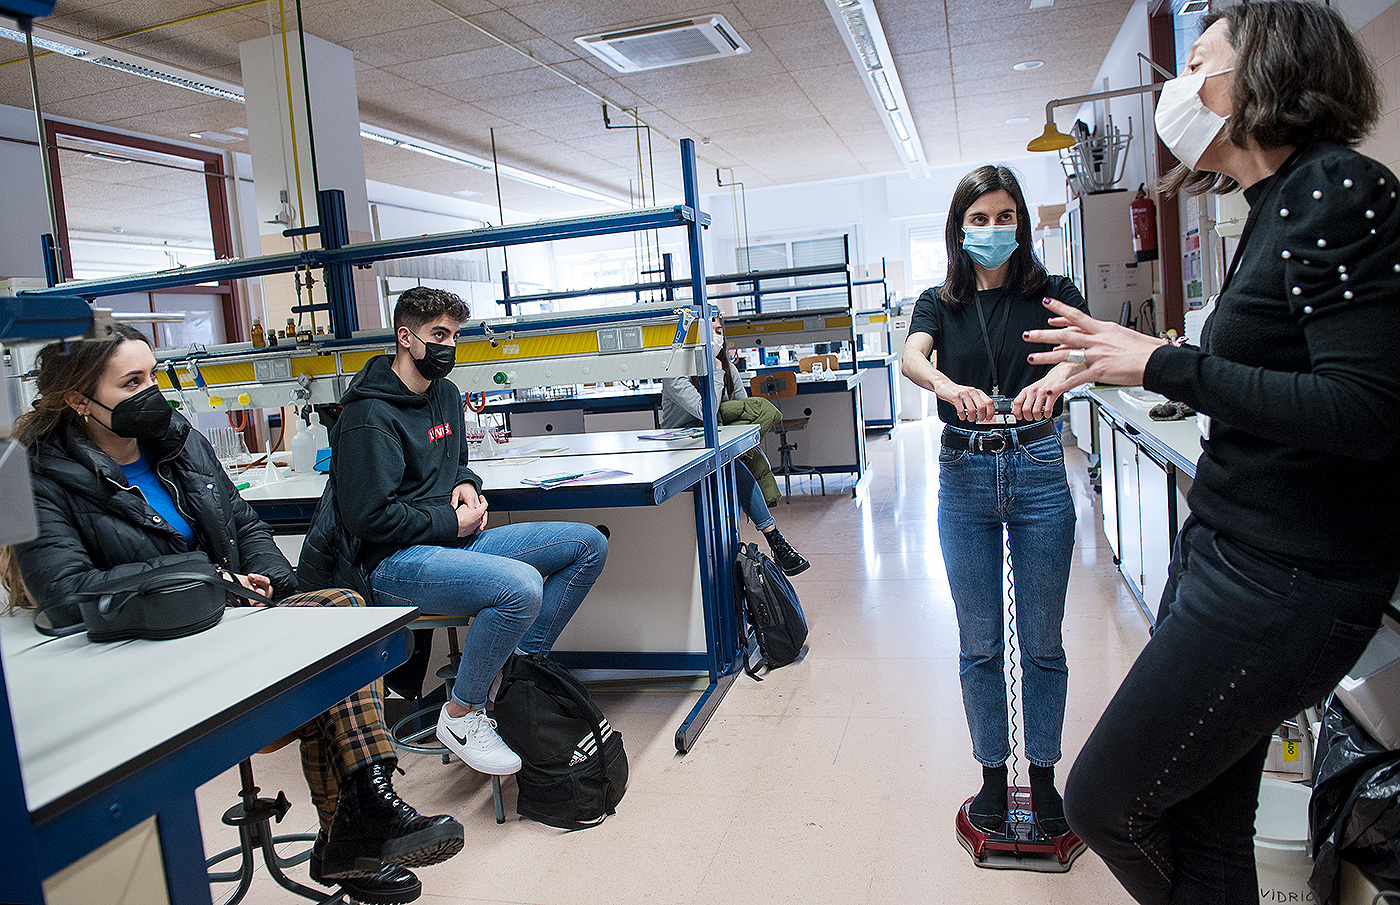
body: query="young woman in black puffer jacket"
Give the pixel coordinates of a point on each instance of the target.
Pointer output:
(123, 485)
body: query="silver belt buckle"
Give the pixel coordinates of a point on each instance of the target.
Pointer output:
(984, 440)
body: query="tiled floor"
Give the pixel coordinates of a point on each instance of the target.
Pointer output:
(834, 780)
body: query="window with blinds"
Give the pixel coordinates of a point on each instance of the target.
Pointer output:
(928, 257)
(792, 254)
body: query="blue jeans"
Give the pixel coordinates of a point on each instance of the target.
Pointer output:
(1165, 788)
(522, 582)
(1025, 490)
(751, 498)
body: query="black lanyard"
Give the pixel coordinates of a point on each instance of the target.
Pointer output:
(987, 339)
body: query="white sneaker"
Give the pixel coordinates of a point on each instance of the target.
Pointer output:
(473, 738)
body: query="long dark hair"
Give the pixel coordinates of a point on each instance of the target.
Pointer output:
(63, 367)
(1300, 76)
(1025, 275)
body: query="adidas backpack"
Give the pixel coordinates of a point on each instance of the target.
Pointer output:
(573, 767)
(770, 605)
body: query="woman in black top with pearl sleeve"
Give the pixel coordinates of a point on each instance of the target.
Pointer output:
(1292, 550)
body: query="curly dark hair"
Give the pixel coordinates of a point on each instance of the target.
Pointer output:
(421, 305)
(1300, 76)
(1025, 275)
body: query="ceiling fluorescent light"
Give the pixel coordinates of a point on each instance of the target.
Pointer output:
(43, 43)
(1042, 4)
(860, 28)
(382, 139)
(131, 64)
(882, 87)
(134, 64)
(167, 78)
(899, 128)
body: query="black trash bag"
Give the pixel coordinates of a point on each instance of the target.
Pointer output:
(1355, 810)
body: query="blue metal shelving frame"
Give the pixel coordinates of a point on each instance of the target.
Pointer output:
(728, 642)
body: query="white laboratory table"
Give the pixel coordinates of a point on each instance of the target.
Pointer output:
(97, 738)
(665, 600)
(1145, 469)
(834, 439)
(596, 408)
(880, 394)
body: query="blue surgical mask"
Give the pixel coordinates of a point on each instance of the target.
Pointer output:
(990, 246)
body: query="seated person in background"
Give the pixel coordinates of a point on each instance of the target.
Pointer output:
(418, 513)
(123, 485)
(680, 407)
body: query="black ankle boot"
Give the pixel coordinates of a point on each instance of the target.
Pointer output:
(788, 559)
(393, 885)
(373, 827)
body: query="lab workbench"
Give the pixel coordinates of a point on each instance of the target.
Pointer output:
(109, 736)
(833, 441)
(1145, 470)
(593, 410)
(659, 604)
(880, 394)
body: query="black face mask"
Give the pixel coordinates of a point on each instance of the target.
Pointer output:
(144, 416)
(437, 361)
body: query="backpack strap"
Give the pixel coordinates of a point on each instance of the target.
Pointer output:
(747, 552)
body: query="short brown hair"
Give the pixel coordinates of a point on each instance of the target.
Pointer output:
(1300, 77)
(421, 305)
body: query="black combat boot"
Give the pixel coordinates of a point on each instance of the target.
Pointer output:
(788, 559)
(393, 885)
(373, 827)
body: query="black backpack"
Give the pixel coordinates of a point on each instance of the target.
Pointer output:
(771, 608)
(573, 768)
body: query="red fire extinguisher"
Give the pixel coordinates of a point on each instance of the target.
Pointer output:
(1144, 226)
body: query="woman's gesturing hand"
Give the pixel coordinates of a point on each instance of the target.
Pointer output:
(1111, 354)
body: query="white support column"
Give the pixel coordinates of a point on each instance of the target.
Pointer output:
(274, 117)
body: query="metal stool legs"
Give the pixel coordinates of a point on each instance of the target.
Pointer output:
(253, 816)
(417, 732)
(787, 469)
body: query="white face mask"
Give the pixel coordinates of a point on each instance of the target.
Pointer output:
(1185, 124)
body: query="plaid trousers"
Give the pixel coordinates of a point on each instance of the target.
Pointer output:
(349, 736)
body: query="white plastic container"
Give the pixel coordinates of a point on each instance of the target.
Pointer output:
(310, 439)
(1281, 842)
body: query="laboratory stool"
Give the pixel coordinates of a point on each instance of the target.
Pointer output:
(253, 816)
(781, 385)
(417, 732)
(827, 361)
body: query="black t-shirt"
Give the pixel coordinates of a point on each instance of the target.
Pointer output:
(1299, 370)
(962, 353)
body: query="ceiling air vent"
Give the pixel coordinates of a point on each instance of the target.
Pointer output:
(669, 44)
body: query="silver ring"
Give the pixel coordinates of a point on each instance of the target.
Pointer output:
(1075, 356)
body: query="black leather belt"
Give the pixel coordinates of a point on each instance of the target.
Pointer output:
(995, 441)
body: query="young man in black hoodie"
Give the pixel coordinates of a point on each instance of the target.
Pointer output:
(404, 489)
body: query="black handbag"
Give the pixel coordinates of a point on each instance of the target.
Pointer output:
(170, 601)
